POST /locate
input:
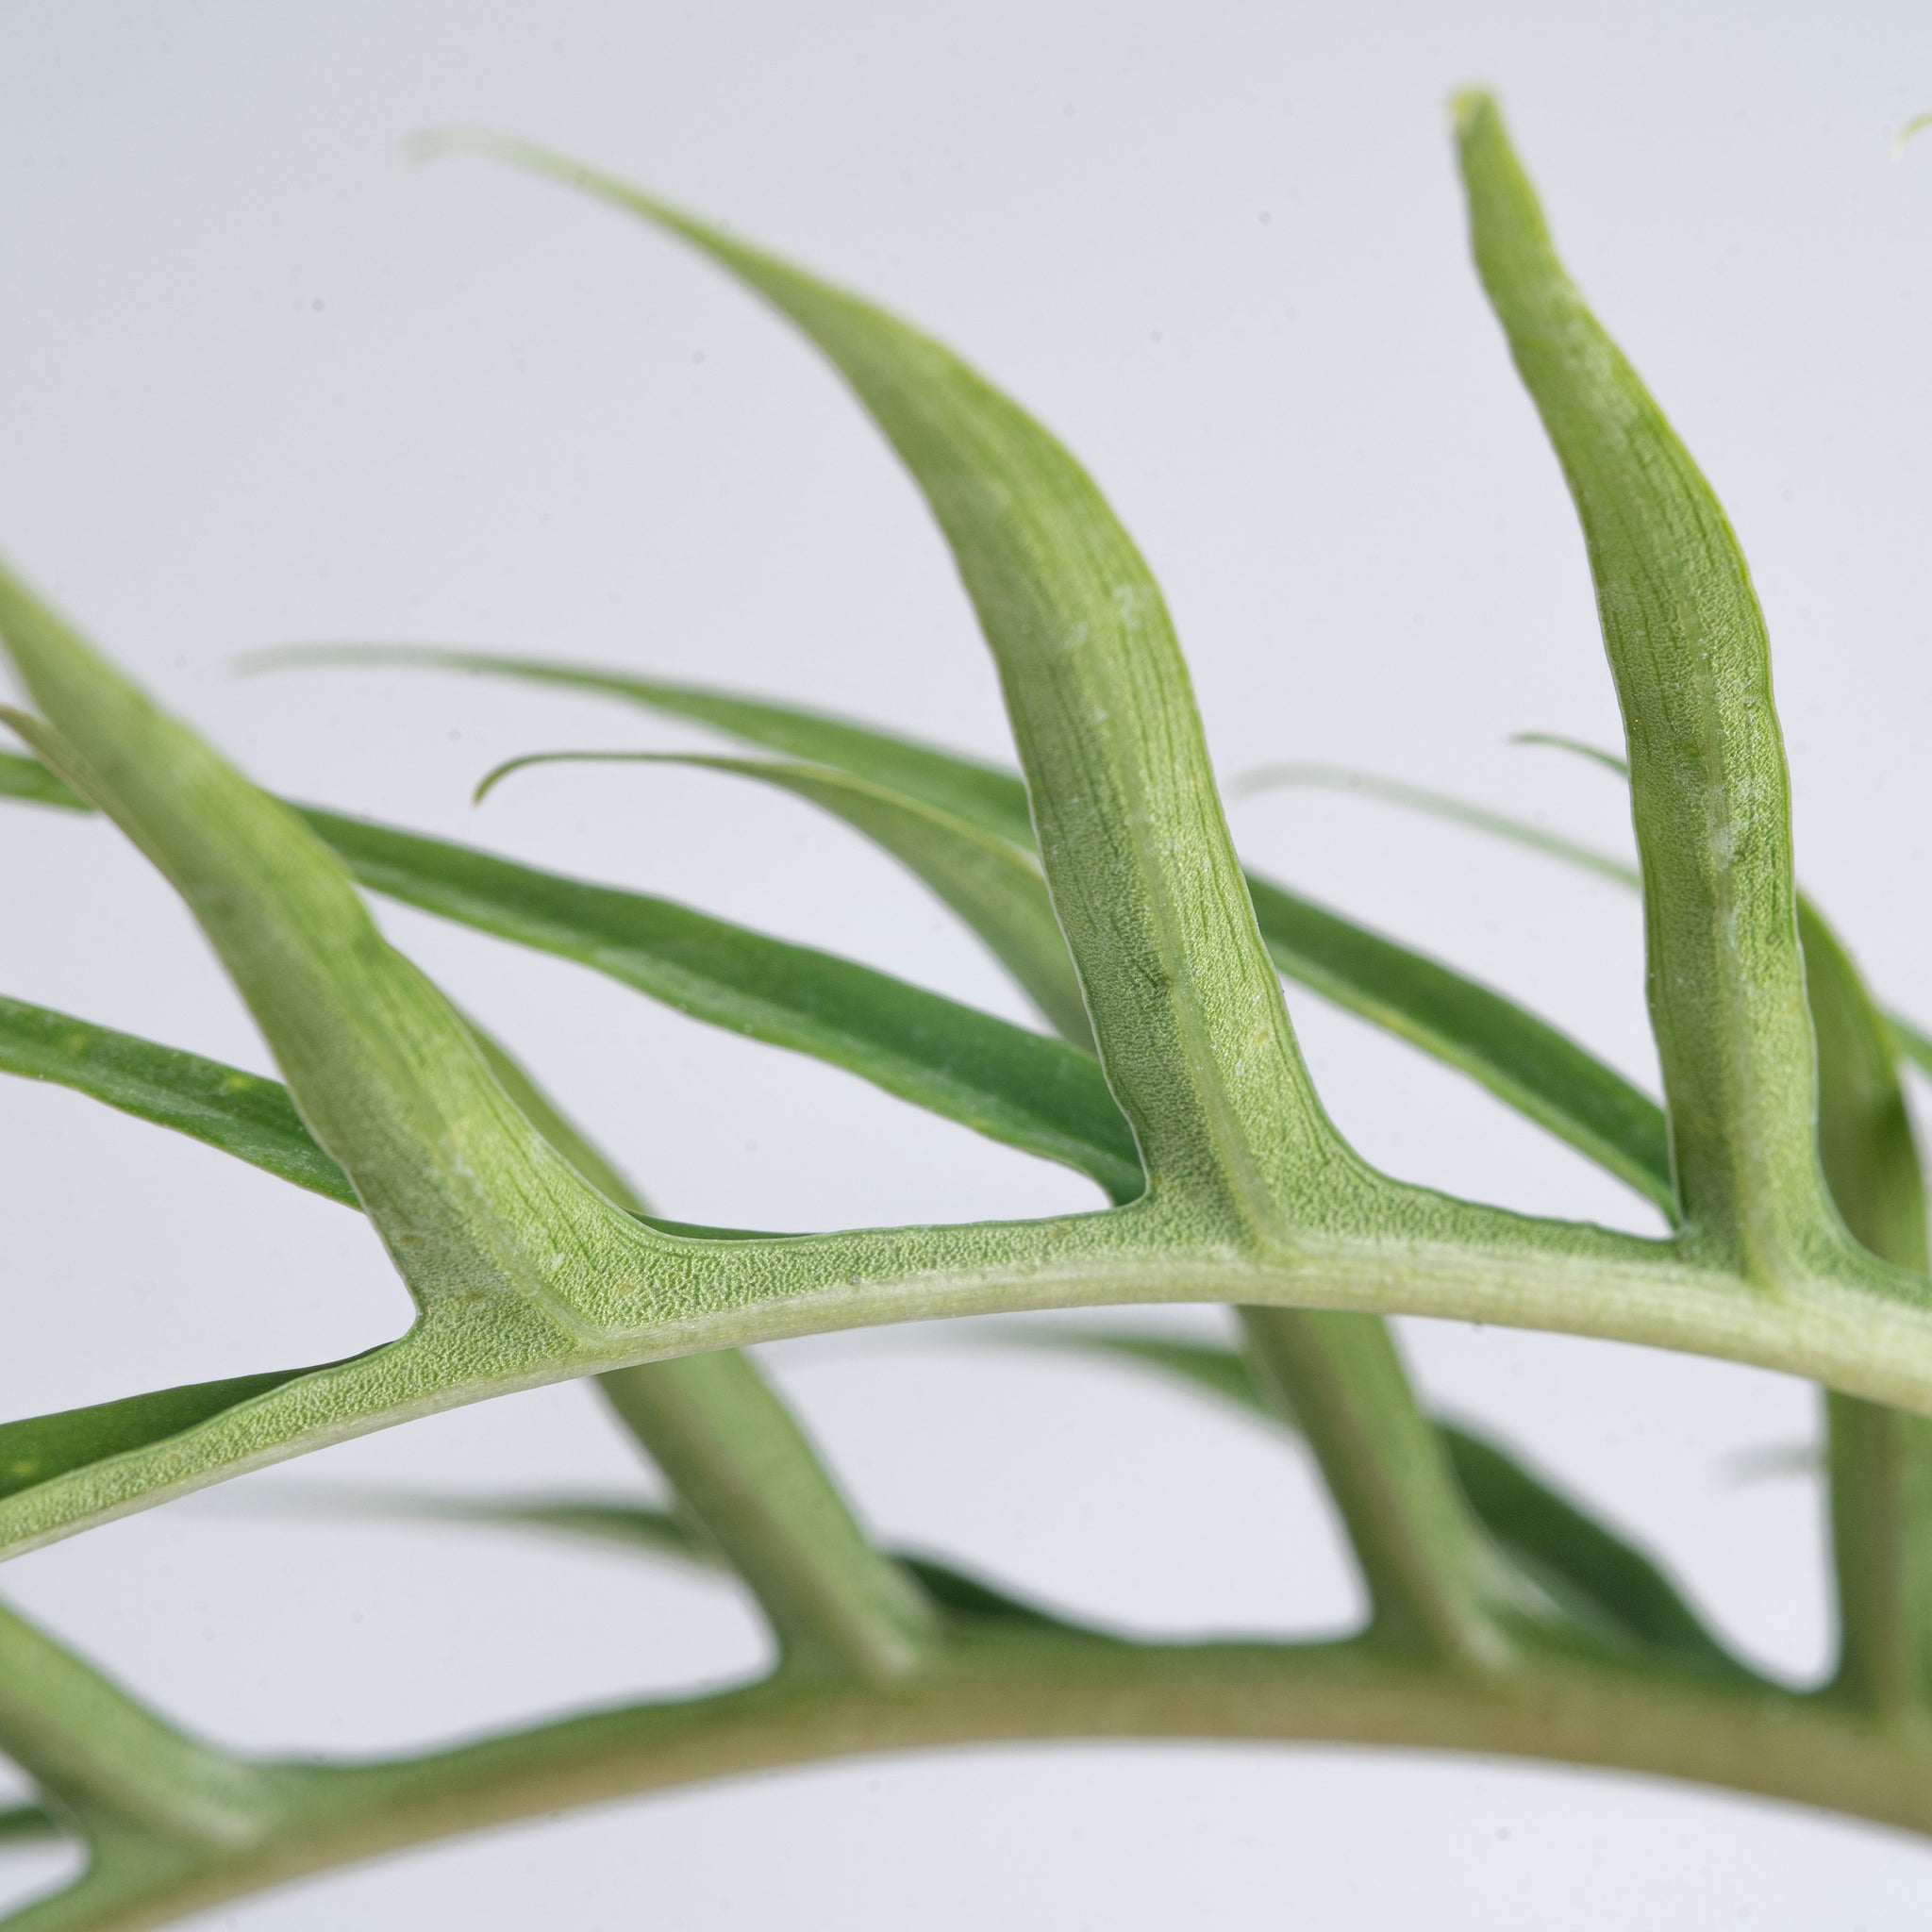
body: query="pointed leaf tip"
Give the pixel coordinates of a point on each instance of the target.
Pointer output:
(1916, 125)
(1468, 106)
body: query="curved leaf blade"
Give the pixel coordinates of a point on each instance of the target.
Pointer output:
(240, 1113)
(1866, 1144)
(1013, 1085)
(708, 1420)
(1710, 789)
(1558, 1540)
(1521, 1059)
(31, 781)
(1577, 747)
(254, 1119)
(28, 1824)
(1914, 1042)
(502, 1244)
(988, 797)
(474, 1206)
(992, 886)
(1187, 1009)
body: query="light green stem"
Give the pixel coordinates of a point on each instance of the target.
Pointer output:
(1711, 795)
(1434, 1580)
(103, 1756)
(1007, 1689)
(745, 1470)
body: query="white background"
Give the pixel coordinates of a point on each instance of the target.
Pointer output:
(261, 381)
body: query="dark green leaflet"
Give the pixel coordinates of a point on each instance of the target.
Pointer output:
(254, 1119)
(246, 1114)
(29, 779)
(1914, 1042)
(1914, 1045)
(27, 1825)
(240, 1113)
(1010, 1084)
(1187, 1009)
(1530, 1065)
(243, 1115)
(1520, 1058)
(1003, 1080)
(1525, 1063)
(986, 796)
(487, 1223)
(1244, 1162)
(1585, 1566)
(992, 884)
(1568, 1548)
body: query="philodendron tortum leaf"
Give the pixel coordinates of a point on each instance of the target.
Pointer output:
(1502, 1616)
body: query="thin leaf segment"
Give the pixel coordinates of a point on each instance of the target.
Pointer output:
(1434, 1581)
(745, 1470)
(1186, 1009)
(1709, 790)
(995, 886)
(1524, 1060)
(476, 1207)
(1506, 1618)
(1011, 1084)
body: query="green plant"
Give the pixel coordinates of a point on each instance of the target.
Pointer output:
(1503, 1617)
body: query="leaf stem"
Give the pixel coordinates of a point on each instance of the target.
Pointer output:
(1710, 793)
(744, 1468)
(1435, 1582)
(1041, 1685)
(104, 1758)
